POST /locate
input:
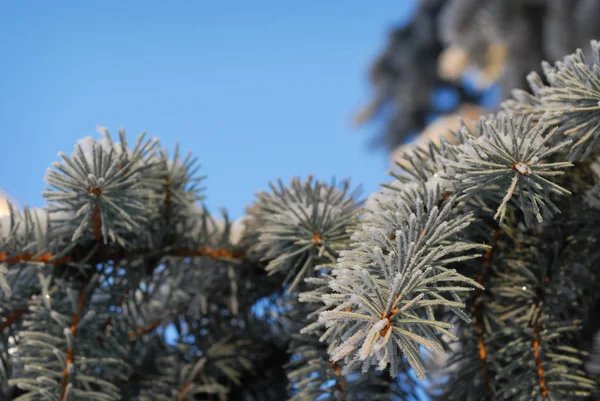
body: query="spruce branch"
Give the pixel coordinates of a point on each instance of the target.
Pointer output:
(393, 282)
(572, 99)
(313, 376)
(533, 292)
(473, 359)
(102, 190)
(176, 189)
(512, 155)
(569, 100)
(87, 293)
(185, 381)
(541, 364)
(302, 226)
(57, 349)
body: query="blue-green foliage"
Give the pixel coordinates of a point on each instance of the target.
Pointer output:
(488, 240)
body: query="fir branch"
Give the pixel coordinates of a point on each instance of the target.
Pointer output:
(513, 155)
(302, 226)
(571, 100)
(313, 376)
(102, 189)
(179, 185)
(393, 286)
(58, 351)
(126, 252)
(543, 331)
(185, 381)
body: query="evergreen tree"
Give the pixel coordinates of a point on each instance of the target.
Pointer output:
(466, 48)
(484, 248)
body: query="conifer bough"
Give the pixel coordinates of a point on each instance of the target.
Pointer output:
(484, 249)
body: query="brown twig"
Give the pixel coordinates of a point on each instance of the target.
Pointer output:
(107, 323)
(70, 351)
(48, 258)
(168, 196)
(389, 316)
(143, 330)
(538, 361)
(477, 309)
(214, 253)
(12, 318)
(339, 385)
(316, 239)
(24, 257)
(537, 327)
(181, 396)
(96, 214)
(388, 325)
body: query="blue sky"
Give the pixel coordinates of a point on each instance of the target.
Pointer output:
(256, 90)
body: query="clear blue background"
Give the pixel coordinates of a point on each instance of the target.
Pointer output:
(257, 90)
